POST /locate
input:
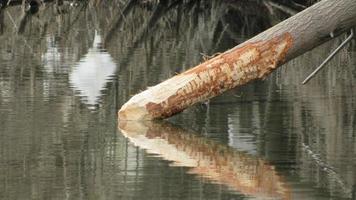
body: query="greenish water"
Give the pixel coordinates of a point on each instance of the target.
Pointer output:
(65, 75)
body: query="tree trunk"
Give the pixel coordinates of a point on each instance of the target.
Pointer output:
(251, 60)
(220, 164)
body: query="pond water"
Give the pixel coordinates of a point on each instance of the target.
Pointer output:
(65, 72)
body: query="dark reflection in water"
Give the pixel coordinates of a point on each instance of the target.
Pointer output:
(65, 71)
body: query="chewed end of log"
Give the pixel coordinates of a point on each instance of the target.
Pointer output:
(133, 112)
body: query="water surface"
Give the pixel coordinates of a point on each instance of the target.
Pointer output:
(65, 75)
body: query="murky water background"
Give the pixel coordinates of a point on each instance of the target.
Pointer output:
(67, 71)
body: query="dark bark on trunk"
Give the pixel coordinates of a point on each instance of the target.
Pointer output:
(313, 26)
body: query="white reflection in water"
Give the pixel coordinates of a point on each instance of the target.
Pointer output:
(92, 73)
(52, 58)
(240, 136)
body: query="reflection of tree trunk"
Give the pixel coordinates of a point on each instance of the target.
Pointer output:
(354, 186)
(1, 22)
(209, 159)
(254, 59)
(25, 16)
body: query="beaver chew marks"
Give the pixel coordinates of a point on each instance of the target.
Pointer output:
(233, 68)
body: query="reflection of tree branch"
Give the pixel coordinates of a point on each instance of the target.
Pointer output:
(301, 6)
(281, 7)
(120, 18)
(9, 3)
(85, 5)
(25, 16)
(27, 9)
(218, 41)
(15, 26)
(326, 167)
(207, 158)
(147, 29)
(2, 24)
(157, 14)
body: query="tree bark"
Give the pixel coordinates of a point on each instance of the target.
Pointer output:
(251, 60)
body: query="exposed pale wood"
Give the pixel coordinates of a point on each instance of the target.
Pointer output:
(208, 159)
(249, 61)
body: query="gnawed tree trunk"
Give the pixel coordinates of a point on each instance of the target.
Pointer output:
(251, 60)
(206, 158)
